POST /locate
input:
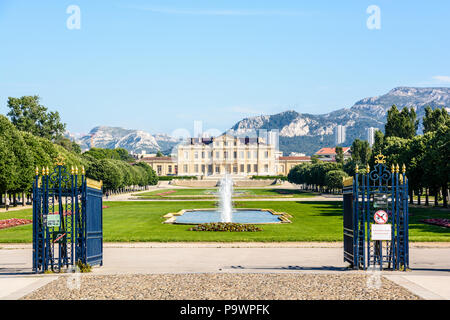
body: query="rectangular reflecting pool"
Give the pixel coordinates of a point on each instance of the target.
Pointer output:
(239, 216)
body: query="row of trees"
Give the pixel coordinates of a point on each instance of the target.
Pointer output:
(33, 138)
(318, 176)
(425, 156)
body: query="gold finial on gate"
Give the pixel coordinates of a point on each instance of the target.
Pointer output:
(404, 168)
(43, 171)
(392, 168)
(368, 168)
(83, 172)
(47, 170)
(397, 168)
(356, 168)
(37, 171)
(380, 158)
(59, 161)
(72, 170)
(76, 170)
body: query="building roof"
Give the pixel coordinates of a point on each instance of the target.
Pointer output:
(156, 158)
(301, 158)
(331, 151)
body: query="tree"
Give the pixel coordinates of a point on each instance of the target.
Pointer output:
(28, 115)
(402, 124)
(334, 179)
(24, 157)
(434, 119)
(150, 176)
(159, 154)
(68, 144)
(436, 164)
(8, 168)
(339, 155)
(361, 151)
(107, 171)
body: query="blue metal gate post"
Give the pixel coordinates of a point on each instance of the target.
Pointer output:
(380, 182)
(59, 245)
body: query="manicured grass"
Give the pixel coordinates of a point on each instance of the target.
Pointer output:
(311, 221)
(193, 193)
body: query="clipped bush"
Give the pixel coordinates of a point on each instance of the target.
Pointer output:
(225, 226)
(280, 177)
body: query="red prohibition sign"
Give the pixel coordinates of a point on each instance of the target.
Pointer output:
(381, 217)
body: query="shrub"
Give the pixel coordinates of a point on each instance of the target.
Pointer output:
(281, 177)
(226, 226)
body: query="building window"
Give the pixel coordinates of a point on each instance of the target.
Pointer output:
(249, 168)
(203, 169)
(176, 169)
(217, 169)
(241, 154)
(242, 168)
(255, 168)
(266, 168)
(217, 155)
(196, 155)
(235, 168)
(266, 154)
(235, 154)
(203, 154)
(159, 170)
(185, 168)
(225, 155)
(169, 169)
(249, 155)
(196, 168)
(186, 155)
(210, 169)
(255, 154)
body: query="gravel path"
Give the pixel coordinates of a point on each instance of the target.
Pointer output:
(233, 286)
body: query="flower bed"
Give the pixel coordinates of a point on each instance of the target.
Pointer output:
(438, 222)
(225, 226)
(165, 193)
(8, 223)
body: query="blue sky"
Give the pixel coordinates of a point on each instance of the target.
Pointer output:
(160, 65)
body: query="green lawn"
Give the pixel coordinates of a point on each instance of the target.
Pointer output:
(206, 193)
(312, 221)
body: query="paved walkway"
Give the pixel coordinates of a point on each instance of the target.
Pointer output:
(429, 278)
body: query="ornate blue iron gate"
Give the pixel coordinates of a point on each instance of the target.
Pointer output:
(364, 195)
(67, 208)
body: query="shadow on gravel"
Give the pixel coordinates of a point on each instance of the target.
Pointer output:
(322, 268)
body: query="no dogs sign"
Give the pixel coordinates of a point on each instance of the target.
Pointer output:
(381, 217)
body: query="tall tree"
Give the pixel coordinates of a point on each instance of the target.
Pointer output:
(28, 115)
(339, 155)
(361, 151)
(402, 124)
(434, 119)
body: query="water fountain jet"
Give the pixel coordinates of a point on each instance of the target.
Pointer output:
(225, 200)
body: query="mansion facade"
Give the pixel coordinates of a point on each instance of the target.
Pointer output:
(214, 157)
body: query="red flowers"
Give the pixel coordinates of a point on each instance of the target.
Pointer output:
(8, 223)
(439, 222)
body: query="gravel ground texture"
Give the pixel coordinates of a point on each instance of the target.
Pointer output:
(217, 286)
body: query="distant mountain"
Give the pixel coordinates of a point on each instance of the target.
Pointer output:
(307, 133)
(299, 132)
(136, 141)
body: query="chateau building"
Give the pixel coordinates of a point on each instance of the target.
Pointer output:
(224, 154)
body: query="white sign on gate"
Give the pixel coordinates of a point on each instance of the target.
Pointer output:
(53, 220)
(381, 232)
